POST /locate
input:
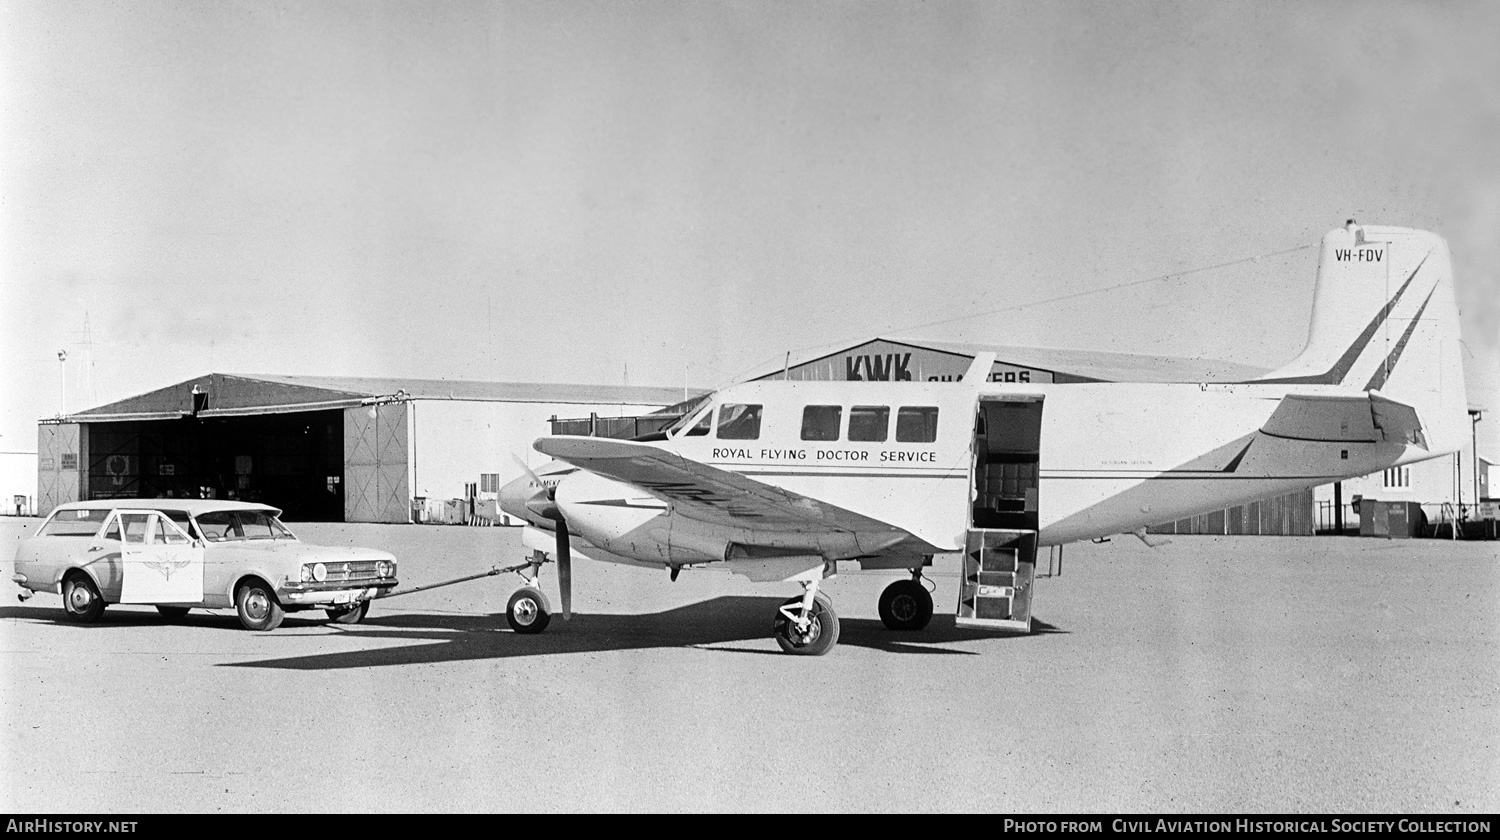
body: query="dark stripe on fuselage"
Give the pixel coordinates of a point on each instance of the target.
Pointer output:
(1193, 476)
(1234, 465)
(819, 474)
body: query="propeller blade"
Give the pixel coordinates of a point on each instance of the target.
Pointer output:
(565, 569)
(529, 471)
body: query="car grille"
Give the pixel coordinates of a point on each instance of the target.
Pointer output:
(351, 571)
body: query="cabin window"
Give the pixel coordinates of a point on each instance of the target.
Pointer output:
(821, 422)
(738, 421)
(869, 423)
(916, 424)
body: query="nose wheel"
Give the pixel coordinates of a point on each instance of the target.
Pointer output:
(807, 625)
(528, 611)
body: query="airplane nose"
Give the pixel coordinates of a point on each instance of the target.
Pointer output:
(525, 498)
(513, 496)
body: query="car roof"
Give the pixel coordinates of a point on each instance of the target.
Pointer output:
(193, 507)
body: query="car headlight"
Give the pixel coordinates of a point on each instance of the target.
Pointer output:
(385, 568)
(320, 572)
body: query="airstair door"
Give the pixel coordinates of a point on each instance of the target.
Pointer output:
(160, 563)
(999, 571)
(1000, 550)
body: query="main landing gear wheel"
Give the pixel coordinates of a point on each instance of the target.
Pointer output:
(349, 615)
(819, 634)
(257, 606)
(81, 600)
(528, 611)
(906, 605)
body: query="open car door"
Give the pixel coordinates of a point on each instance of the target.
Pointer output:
(159, 562)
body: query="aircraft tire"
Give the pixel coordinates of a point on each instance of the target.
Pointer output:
(821, 635)
(81, 599)
(351, 615)
(905, 605)
(173, 613)
(256, 604)
(528, 611)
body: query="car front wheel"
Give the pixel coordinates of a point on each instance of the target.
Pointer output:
(257, 606)
(81, 600)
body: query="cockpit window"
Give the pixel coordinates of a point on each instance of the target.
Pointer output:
(738, 421)
(690, 412)
(821, 422)
(916, 424)
(698, 420)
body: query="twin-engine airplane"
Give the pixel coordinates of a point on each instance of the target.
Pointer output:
(784, 480)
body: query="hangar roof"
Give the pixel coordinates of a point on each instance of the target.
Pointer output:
(1077, 365)
(241, 394)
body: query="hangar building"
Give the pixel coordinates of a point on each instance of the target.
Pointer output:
(321, 448)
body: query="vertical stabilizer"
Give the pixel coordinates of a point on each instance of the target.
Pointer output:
(1384, 319)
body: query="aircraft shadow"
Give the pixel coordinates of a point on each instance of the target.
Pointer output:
(708, 624)
(436, 638)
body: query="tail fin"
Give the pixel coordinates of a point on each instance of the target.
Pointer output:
(1384, 319)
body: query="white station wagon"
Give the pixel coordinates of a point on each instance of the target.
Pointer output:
(178, 554)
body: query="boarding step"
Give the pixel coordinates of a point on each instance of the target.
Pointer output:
(999, 570)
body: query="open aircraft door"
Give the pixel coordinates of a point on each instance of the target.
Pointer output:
(1000, 550)
(159, 562)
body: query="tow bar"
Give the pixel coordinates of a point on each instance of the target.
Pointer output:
(491, 573)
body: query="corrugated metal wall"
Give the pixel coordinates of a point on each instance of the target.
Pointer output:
(375, 464)
(61, 462)
(1288, 515)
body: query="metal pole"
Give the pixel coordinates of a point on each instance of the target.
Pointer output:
(62, 383)
(1474, 417)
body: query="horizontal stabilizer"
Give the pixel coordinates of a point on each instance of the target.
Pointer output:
(1397, 421)
(1339, 419)
(1328, 419)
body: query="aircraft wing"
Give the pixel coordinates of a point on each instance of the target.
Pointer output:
(1352, 419)
(704, 492)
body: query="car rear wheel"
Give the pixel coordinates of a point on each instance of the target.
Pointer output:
(349, 615)
(81, 600)
(257, 606)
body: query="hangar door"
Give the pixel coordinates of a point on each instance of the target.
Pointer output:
(58, 466)
(375, 464)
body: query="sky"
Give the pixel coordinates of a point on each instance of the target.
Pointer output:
(670, 193)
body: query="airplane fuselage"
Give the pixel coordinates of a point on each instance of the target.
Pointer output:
(1102, 459)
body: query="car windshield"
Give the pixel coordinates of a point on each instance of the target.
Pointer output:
(225, 525)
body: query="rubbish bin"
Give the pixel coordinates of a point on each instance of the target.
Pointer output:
(1390, 519)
